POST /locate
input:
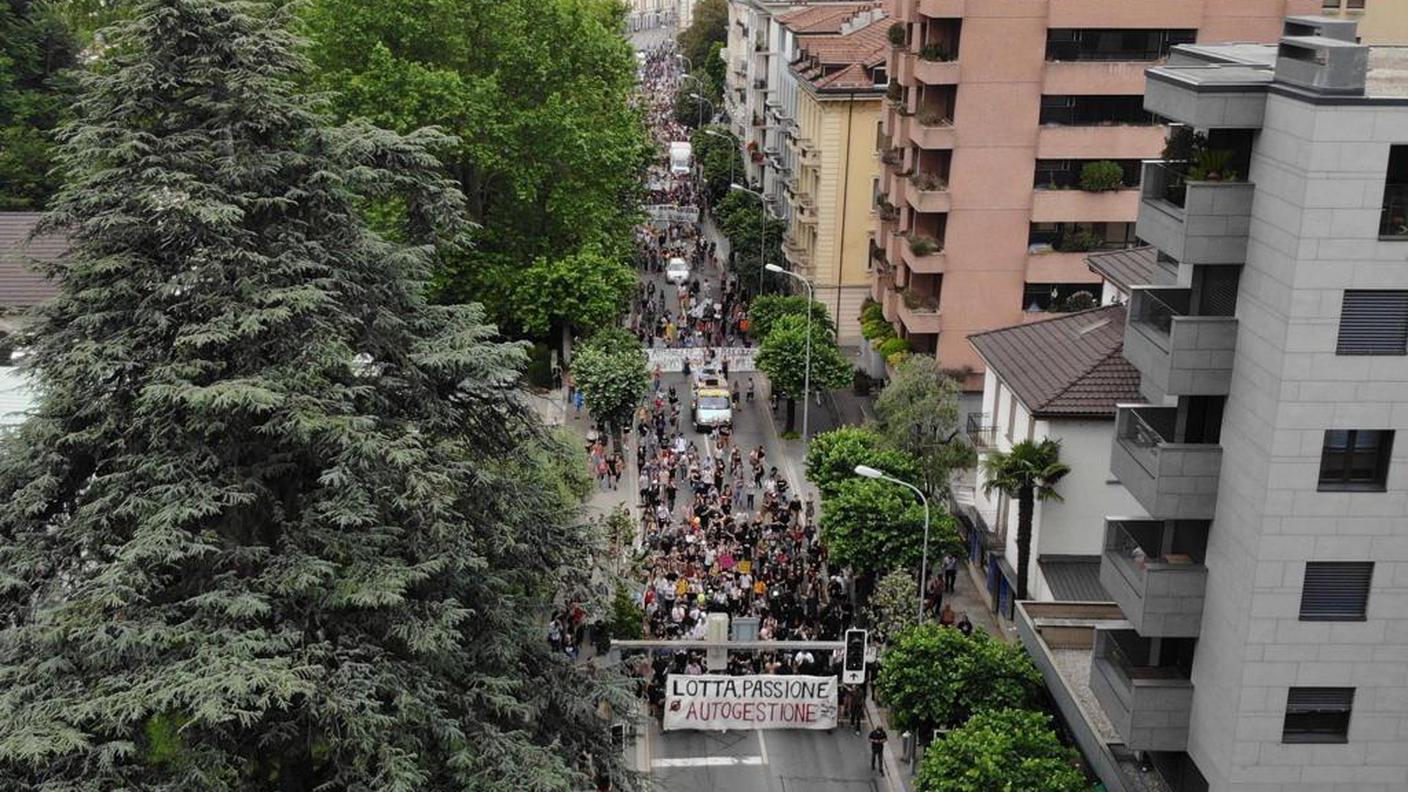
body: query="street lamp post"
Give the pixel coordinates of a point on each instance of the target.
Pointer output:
(712, 110)
(762, 232)
(872, 473)
(807, 376)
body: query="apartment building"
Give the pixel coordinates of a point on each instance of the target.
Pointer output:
(996, 109)
(1258, 640)
(836, 83)
(1379, 21)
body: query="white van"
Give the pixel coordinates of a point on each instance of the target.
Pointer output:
(677, 270)
(680, 153)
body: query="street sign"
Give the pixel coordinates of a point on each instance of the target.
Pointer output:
(745, 628)
(853, 669)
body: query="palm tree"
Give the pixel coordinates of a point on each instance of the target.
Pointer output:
(1029, 472)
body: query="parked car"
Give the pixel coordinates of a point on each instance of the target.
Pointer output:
(677, 270)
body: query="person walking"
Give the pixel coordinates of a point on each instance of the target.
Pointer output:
(857, 708)
(877, 748)
(950, 571)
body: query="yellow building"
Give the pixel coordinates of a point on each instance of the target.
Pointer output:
(1380, 21)
(840, 86)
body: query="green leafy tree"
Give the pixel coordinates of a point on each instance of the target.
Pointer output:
(765, 309)
(755, 238)
(832, 457)
(717, 152)
(627, 618)
(707, 30)
(581, 291)
(35, 48)
(875, 525)
(918, 413)
(277, 523)
(550, 153)
(894, 604)
(937, 677)
(690, 111)
(609, 367)
(1009, 750)
(1027, 473)
(783, 358)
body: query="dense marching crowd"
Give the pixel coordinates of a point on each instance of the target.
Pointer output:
(723, 531)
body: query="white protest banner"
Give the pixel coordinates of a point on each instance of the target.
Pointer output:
(671, 213)
(740, 359)
(715, 702)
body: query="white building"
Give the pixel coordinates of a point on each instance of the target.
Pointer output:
(1258, 640)
(1060, 379)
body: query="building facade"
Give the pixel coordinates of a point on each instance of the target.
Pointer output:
(1379, 21)
(996, 109)
(1260, 643)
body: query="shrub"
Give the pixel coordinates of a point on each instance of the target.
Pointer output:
(890, 346)
(932, 117)
(1101, 176)
(1078, 241)
(871, 311)
(894, 92)
(898, 33)
(928, 181)
(936, 676)
(896, 358)
(1080, 301)
(935, 52)
(1001, 749)
(918, 301)
(921, 245)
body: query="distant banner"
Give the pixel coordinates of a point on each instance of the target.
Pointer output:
(739, 358)
(714, 702)
(670, 213)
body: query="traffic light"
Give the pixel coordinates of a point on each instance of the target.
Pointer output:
(854, 664)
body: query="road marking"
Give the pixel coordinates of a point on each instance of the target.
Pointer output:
(707, 761)
(762, 746)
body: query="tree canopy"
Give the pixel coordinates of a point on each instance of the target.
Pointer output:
(277, 523)
(893, 605)
(609, 368)
(35, 47)
(707, 30)
(766, 309)
(1027, 473)
(783, 358)
(1009, 750)
(935, 676)
(832, 457)
(918, 413)
(876, 525)
(550, 154)
(716, 150)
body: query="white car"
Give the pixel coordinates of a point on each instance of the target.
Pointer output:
(677, 270)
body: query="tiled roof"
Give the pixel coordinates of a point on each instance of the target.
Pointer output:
(1133, 267)
(821, 18)
(1069, 366)
(853, 76)
(21, 286)
(867, 46)
(1073, 578)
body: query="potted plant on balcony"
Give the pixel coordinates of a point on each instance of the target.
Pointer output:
(916, 300)
(1078, 241)
(923, 245)
(1101, 176)
(932, 117)
(898, 34)
(892, 156)
(1211, 165)
(928, 182)
(935, 52)
(894, 92)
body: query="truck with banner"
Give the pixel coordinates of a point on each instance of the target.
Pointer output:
(716, 702)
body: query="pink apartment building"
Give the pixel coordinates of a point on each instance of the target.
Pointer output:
(995, 108)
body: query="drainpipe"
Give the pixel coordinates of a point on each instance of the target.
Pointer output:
(845, 195)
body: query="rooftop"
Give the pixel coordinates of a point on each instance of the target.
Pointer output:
(1069, 366)
(1073, 578)
(1132, 267)
(21, 284)
(829, 18)
(1228, 66)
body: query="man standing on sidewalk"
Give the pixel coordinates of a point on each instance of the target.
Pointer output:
(877, 748)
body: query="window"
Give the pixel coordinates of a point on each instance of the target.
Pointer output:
(1080, 237)
(1355, 5)
(1075, 110)
(1355, 459)
(1057, 296)
(1065, 174)
(1393, 219)
(1373, 322)
(1335, 590)
(1113, 44)
(1317, 715)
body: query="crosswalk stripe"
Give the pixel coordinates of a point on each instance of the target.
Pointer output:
(706, 761)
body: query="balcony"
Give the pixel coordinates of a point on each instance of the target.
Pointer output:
(1171, 480)
(940, 136)
(1059, 206)
(920, 314)
(1075, 78)
(922, 263)
(1194, 222)
(935, 200)
(982, 431)
(936, 72)
(1129, 141)
(1125, 14)
(1160, 592)
(1147, 701)
(942, 9)
(1178, 354)
(1224, 97)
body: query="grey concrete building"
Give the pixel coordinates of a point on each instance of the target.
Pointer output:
(1261, 642)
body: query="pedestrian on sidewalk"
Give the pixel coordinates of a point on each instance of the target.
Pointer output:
(877, 748)
(950, 571)
(857, 707)
(750, 390)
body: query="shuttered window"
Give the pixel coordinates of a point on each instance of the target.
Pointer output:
(1374, 322)
(1317, 715)
(1335, 590)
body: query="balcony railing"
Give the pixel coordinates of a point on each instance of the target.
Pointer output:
(981, 431)
(1144, 433)
(1166, 181)
(1161, 594)
(1393, 222)
(1157, 310)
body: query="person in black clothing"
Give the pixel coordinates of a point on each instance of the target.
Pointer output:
(877, 748)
